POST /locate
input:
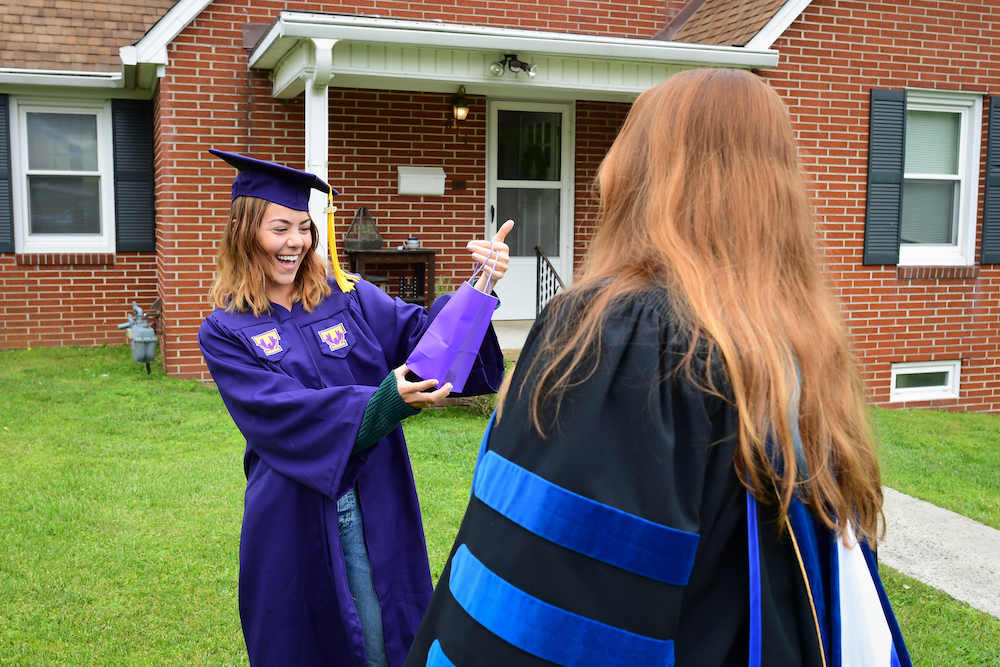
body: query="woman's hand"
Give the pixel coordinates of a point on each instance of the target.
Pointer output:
(481, 252)
(415, 394)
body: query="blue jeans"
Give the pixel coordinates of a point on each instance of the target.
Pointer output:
(359, 577)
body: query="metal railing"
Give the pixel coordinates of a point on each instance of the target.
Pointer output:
(547, 281)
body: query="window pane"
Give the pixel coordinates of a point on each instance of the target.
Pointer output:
(528, 146)
(62, 142)
(536, 220)
(64, 204)
(932, 139)
(917, 380)
(929, 211)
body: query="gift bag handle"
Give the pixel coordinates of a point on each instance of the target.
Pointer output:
(482, 265)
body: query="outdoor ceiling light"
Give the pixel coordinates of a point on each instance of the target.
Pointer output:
(511, 62)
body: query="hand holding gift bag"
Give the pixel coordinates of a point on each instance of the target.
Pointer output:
(448, 349)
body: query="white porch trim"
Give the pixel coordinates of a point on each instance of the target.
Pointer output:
(390, 54)
(58, 78)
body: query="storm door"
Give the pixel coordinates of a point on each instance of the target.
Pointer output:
(530, 181)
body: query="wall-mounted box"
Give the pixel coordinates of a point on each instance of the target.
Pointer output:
(421, 181)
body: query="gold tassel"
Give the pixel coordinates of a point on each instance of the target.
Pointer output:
(344, 280)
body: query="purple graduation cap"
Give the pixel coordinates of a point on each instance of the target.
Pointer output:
(272, 182)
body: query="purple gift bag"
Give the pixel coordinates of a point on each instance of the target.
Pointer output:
(449, 347)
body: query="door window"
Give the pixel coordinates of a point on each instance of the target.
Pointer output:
(529, 174)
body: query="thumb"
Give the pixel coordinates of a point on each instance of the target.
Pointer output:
(503, 231)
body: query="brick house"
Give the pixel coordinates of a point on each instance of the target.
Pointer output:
(114, 113)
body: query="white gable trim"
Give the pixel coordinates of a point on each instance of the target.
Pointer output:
(774, 28)
(369, 52)
(144, 62)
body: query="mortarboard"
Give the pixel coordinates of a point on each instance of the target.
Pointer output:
(272, 182)
(287, 187)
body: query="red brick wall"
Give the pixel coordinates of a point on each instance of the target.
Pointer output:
(638, 18)
(830, 58)
(597, 125)
(52, 300)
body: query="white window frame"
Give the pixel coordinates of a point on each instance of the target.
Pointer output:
(970, 108)
(949, 390)
(24, 241)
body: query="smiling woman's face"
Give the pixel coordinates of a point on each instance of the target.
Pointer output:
(285, 237)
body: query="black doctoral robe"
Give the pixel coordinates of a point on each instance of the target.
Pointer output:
(621, 538)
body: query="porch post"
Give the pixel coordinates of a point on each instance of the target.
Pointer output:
(317, 130)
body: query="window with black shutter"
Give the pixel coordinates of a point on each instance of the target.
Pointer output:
(923, 177)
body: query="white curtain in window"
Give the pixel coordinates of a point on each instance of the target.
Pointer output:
(932, 140)
(930, 205)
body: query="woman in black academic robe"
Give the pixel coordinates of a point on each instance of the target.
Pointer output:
(670, 473)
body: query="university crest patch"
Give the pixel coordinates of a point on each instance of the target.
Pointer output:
(269, 341)
(335, 337)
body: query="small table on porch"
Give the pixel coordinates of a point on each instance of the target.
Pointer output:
(421, 259)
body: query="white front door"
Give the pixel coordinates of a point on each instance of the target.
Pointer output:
(530, 181)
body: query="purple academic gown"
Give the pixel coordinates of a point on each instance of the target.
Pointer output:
(297, 384)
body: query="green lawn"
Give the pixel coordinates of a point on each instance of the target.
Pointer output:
(950, 459)
(122, 498)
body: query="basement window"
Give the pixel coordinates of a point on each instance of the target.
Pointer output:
(925, 381)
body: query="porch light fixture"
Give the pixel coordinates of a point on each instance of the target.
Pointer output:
(459, 105)
(511, 62)
(459, 112)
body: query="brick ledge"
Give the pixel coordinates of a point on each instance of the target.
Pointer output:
(65, 259)
(937, 272)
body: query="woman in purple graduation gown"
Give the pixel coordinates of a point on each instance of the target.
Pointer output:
(333, 564)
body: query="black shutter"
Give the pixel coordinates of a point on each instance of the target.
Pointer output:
(886, 154)
(135, 229)
(990, 253)
(6, 183)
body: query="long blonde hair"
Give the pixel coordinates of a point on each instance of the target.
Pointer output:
(702, 192)
(241, 277)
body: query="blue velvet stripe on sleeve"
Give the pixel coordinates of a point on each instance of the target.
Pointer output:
(544, 630)
(436, 656)
(753, 544)
(583, 525)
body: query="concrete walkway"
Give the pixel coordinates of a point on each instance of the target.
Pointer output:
(511, 335)
(942, 549)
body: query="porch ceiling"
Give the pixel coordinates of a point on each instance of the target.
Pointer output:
(387, 54)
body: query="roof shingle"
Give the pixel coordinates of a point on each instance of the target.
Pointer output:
(70, 34)
(727, 22)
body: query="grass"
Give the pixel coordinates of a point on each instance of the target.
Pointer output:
(443, 446)
(940, 631)
(950, 459)
(122, 497)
